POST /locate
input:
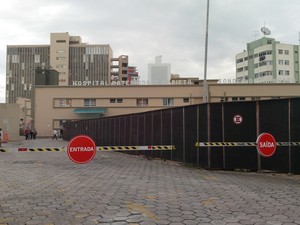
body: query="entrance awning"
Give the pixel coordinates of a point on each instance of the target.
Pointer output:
(90, 111)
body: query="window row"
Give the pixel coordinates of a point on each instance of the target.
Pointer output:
(281, 51)
(263, 63)
(284, 72)
(91, 102)
(263, 74)
(260, 54)
(226, 99)
(283, 62)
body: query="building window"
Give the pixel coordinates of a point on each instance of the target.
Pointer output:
(60, 58)
(240, 69)
(286, 62)
(58, 124)
(142, 102)
(15, 59)
(280, 72)
(280, 51)
(235, 98)
(224, 99)
(37, 58)
(286, 52)
(287, 72)
(60, 41)
(168, 101)
(239, 60)
(280, 62)
(186, 100)
(88, 102)
(65, 102)
(116, 100)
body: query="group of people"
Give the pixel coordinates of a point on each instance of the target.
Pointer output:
(30, 133)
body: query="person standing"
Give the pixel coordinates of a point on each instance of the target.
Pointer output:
(26, 132)
(61, 133)
(34, 133)
(31, 134)
(54, 134)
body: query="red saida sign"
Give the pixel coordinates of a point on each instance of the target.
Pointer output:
(81, 149)
(266, 144)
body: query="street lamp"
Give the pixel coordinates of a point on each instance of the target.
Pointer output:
(205, 57)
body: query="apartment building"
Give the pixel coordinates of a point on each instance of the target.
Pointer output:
(77, 64)
(268, 61)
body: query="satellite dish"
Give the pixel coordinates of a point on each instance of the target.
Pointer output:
(265, 30)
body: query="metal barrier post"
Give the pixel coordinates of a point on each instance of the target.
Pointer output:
(223, 136)
(198, 127)
(183, 133)
(208, 135)
(289, 127)
(171, 132)
(257, 133)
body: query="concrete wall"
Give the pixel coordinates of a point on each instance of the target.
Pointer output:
(10, 119)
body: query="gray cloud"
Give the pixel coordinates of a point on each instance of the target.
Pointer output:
(143, 29)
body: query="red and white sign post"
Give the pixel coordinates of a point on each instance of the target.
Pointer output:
(81, 149)
(266, 144)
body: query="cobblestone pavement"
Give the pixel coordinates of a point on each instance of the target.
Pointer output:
(47, 188)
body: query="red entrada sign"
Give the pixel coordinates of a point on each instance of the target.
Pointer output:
(81, 149)
(266, 144)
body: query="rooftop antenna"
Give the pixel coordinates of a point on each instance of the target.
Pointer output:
(255, 34)
(265, 30)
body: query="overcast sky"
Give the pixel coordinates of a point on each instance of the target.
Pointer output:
(143, 29)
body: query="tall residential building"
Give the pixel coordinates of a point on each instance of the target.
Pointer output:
(158, 72)
(21, 63)
(77, 64)
(268, 61)
(119, 68)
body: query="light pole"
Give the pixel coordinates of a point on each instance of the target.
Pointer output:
(205, 57)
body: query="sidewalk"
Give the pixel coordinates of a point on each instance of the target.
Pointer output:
(35, 143)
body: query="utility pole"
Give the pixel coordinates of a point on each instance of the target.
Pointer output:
(205, 57)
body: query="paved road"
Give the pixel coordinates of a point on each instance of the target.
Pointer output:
(47, 188)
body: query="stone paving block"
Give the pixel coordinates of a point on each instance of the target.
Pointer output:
(115, 188)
